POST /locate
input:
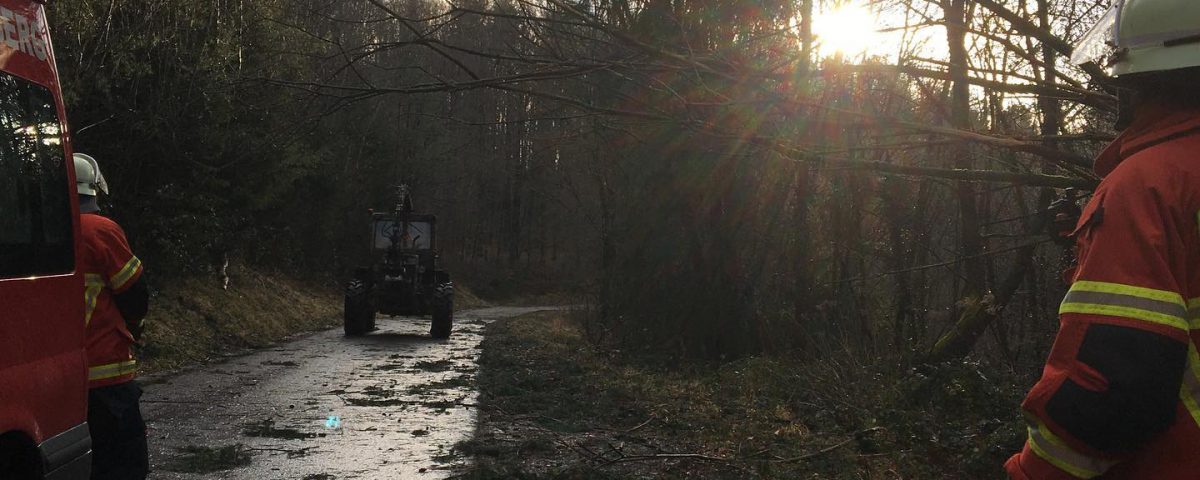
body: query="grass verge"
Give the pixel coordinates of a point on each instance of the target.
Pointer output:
(193, 319)
(552, 407)
(465, 298)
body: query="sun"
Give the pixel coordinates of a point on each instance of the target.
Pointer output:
(848, 30)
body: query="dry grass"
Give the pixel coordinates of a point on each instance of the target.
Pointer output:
(465, 298)
(193, 319)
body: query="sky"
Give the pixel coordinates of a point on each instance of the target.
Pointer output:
(854, 29)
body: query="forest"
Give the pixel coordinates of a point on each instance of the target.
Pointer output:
(871, 184)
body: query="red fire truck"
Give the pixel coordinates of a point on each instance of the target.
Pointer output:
(43, 371)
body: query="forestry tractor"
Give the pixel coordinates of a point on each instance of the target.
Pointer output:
(403, 277)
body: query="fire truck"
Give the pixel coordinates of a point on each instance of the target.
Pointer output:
(43, 369)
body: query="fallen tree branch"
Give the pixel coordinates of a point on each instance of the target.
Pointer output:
(1028, 179)
(857, 435)
(947, 263)
(638, 427)
(670, 456)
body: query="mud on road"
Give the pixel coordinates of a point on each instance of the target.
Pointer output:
(390, 405)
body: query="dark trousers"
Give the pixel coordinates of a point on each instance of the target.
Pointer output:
(118, 433)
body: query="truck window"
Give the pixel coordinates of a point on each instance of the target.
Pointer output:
(35, 207)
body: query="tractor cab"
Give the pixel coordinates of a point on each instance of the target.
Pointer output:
(403, 277)
(403, 238)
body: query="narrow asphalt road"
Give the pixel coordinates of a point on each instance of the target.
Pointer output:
(390, 405)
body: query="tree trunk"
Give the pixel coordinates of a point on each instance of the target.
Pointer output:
(801, 283)
(984, 310)
(960, 117)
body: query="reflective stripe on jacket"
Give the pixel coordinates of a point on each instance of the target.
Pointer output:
(109, 267)
(1119, 396)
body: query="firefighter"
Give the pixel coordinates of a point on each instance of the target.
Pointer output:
(1119, 397)
(116, 300)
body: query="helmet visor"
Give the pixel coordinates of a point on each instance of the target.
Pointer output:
(1100, 42)
(101, 185)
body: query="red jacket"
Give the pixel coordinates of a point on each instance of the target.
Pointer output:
(109, 268)
(1119, 397)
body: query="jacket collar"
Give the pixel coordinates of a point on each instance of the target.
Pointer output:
(88, 204)
(1153, 124)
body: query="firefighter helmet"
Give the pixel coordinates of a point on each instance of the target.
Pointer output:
(88, 179)
(1143, 36)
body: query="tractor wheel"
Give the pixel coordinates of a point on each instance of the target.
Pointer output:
(443, 319)
(359, 316)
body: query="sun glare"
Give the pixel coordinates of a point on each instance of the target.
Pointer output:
(849, 30)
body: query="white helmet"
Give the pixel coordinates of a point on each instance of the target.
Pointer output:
(1139, 36)
(88, 179)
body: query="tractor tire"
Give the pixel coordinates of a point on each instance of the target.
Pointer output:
(358, 314)
(443, 319)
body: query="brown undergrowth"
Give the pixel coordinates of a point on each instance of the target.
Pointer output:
(193, 319)
(553, 407)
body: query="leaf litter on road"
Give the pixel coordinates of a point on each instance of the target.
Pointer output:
(201, 459)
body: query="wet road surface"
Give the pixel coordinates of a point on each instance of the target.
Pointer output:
(390, 405)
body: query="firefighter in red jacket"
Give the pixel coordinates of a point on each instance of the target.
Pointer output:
(1119, 397)
(115, 305)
